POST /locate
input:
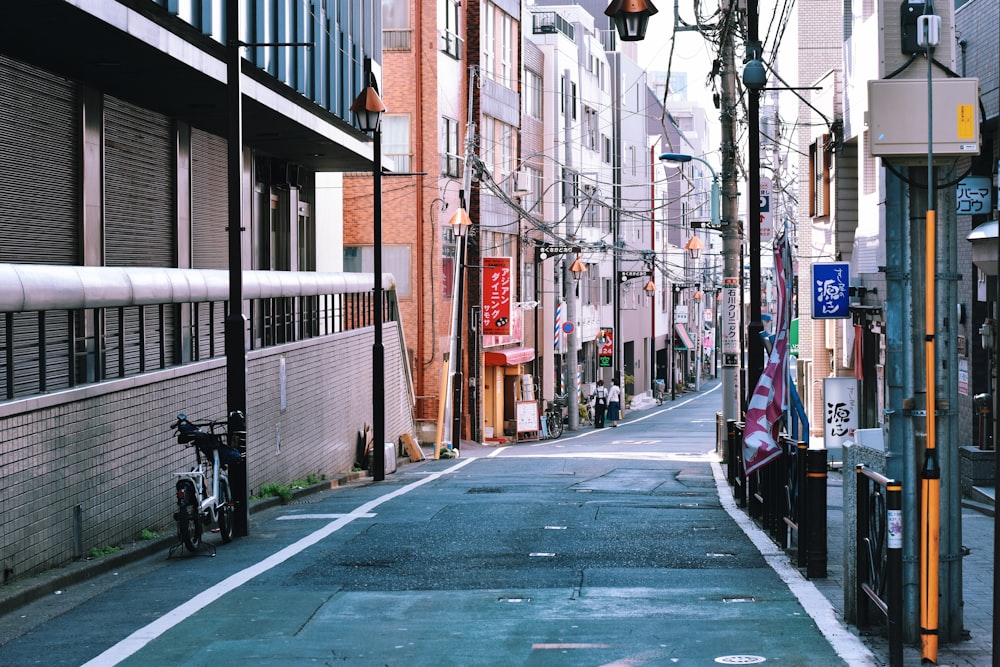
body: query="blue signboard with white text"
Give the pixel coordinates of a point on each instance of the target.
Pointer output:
(831, 283)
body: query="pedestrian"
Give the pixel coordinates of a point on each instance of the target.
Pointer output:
(614, 403)
(600, 404)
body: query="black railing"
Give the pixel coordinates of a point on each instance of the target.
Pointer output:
(787, 497)
(879, 574)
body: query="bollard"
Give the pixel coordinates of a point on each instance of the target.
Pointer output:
(894, 542)
(799, 518)
(815, 507)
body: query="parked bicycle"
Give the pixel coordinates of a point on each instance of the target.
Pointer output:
(660, 391)
(203, 493)
(554, 416)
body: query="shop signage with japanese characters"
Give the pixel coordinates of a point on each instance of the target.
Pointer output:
(831, 283)
(497, 286)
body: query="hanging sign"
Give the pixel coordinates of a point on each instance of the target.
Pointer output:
(830, 283)
(496, 296)
(605, 347)
(840, 414)
(766, 216)
(730, 334)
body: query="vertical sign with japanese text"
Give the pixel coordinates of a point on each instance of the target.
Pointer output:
(497, 286)
(830, 288)
(606, 347)
(730, 334)
(840, 411)
(766, 215)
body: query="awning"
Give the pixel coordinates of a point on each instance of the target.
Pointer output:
(682, 333)
(511, 356)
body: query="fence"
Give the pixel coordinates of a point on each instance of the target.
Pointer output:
(879, 571)
(787, 497)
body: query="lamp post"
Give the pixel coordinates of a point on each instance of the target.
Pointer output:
(368, 109)
(697, 328)
(731, 359)
(630, 18)
(461, 222)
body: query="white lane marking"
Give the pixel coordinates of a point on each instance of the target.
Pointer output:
(326, 517)
(847, 645)
(141, 637)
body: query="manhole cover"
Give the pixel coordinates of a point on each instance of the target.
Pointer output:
(740, 660)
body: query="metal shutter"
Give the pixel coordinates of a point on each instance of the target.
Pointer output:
(209, 208)
(39, 133)
(139, 199)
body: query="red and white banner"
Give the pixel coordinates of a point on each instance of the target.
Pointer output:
(497, 286)
(770, 397)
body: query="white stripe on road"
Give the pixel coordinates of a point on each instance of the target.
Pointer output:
(847, 645)
(325, 517)
(143, 636)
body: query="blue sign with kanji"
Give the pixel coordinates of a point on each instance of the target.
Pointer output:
(831, 283)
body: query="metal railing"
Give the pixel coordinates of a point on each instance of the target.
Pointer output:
(879, 573)
(62, 327)
(787, 497)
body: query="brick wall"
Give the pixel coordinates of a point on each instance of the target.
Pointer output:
(108, 448)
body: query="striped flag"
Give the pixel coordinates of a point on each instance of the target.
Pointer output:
(770, 397)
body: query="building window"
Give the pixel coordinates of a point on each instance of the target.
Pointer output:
(396, 140)
(451, 151)
(590, 128)
(533, 94)
(450, 39)
(570, 187)
(819, 178)
(499, 36)
(396, 25)
(395, 260)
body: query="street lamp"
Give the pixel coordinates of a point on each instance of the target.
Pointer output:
(460, 223)
(731, 254)
(694, 246)
(630, 18)
(368, 109)
(576, 269)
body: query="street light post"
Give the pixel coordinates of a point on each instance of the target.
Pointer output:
(730, 251)
(368, 109)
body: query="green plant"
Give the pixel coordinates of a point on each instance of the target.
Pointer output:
(274, 490)
(148, 534)
(98, 552)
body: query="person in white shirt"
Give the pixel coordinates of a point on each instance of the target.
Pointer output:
(614, 403)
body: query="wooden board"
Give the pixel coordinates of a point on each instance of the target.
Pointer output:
(411, 448)
(527, 417)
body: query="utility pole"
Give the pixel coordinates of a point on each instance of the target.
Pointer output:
(731, 315)
(754, 53)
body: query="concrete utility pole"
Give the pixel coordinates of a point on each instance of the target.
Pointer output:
(730, 232)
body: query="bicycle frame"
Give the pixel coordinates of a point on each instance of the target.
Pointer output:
(206, 504)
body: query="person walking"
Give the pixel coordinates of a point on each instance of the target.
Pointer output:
(600, 404)
(614, 403)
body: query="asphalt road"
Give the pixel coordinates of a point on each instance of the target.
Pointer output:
(605, 547)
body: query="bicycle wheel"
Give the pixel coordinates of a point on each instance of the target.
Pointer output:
(555, 424)
(188, 522)
(225, 512)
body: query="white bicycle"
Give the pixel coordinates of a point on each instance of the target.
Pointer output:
(203, 493)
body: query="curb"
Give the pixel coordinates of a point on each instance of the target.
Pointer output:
(21, 592)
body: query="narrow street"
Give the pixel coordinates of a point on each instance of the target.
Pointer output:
(602, 547)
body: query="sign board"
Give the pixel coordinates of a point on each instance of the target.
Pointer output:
(830, 290)
(546, 251)
(497, 290)
(730, 334)
(568, 327)
(974, 194)
(606, 347)
(766, 216)
(840, 411)
(527, 417)
(680, 314)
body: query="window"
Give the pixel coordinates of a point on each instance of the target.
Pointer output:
(572, 95)
(506, 69)
(533, 94)
(590, 128)
(488, 27)
(396, 25)
(819, 181)
(450, 42)
(487, 143)
(570, 187)
(499, 37)
(451, 151)
(396, 140)
(395, 260)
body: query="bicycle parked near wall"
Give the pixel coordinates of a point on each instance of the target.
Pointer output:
(203, 493)
(554, 416)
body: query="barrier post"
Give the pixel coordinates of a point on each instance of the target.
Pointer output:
(815, 507)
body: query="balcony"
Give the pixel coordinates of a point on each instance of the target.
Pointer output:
(545, 23)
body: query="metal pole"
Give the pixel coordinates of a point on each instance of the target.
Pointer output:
(235, 342)
(378, 352)
(755, 344)
(572, 343)
(730, 232)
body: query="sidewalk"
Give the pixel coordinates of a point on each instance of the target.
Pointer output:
(977, 575)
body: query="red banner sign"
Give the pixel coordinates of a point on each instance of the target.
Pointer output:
(497, 286)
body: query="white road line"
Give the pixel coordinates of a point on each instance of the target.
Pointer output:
(326, 517)
(847, 645)
(143, 636)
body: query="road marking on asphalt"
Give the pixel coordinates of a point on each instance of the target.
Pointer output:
(328, 517)
(143, 636)
(545, 647)
(846, 645)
